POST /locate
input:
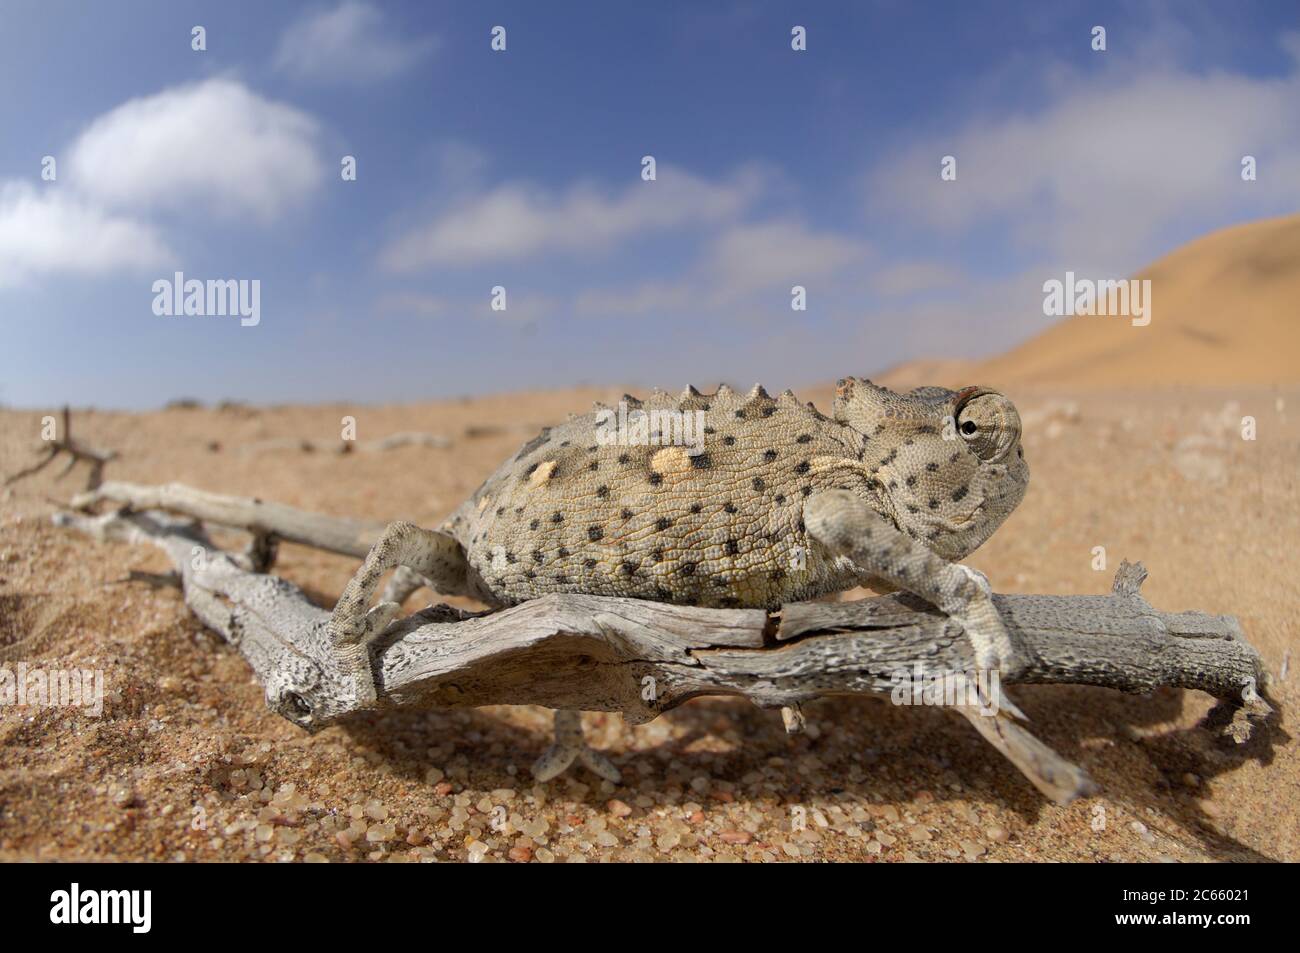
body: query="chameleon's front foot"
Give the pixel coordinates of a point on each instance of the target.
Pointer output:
(847, 526)
(994, 647)
(571, 746)
(350, 636)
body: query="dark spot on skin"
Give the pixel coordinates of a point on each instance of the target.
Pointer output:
(701, 461)
(591, 449)
(804, 438)
(686, 569)
(769, 455)
(932, 467)
(537, 555)
(663, 523)
(913, 509)
(656, 479)
(780, 498)
(624, 458)
(911, 480)
(740, 415)
(629, 568)
(709, 430)
(960, 492)
(803, 468)
(557, 517)
(564, 552)
(564, 443)
(769, 410)
(806, 490)
(801, 527)
(602, 491)
(759, 484)
(589, 563)
(733, 548)
(933, 504)
(595, 533)
(696, 507)
(534, 524)
(562, 579)
(529, 574)
(1020, 452)
(626, 513)
(593, 465)
(730, 507)
(532, 445)
(662, 594)
(729, 441)
(529, 472)
(510, 557)
(955, 455)
(778, 575)
(500, 510)
(889, 458)
(658, 555)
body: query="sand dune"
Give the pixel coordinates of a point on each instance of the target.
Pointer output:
(1225, 310)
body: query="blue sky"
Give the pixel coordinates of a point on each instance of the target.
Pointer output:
(522, 169)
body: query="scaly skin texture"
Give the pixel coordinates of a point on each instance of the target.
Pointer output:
(721, 522)
(721, 500)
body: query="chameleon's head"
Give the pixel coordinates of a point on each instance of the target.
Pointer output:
(948, 464)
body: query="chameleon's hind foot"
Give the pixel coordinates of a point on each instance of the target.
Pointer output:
(570, 745)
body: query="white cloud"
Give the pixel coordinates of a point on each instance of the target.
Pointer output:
(215, 145)
(351, 43)
(517, 221)
(52, 232)
(771, 254)
(741, 262)
(1095, 177)
(901, 278)
(412, 304)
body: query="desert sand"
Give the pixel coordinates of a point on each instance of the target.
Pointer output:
(1135, 442)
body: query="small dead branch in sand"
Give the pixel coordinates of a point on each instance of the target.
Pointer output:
(644, 658)
(76, 451)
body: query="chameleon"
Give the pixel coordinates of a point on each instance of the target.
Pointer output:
(725, 499)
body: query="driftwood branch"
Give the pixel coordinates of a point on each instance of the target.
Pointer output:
(78, 451)
(644, 658)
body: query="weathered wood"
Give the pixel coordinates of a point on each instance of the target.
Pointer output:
(349, 537)
(77, 451)
(643, 658)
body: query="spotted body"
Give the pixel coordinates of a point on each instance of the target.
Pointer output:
(617, 502)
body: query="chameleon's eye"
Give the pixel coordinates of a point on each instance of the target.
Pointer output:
(989, 423)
